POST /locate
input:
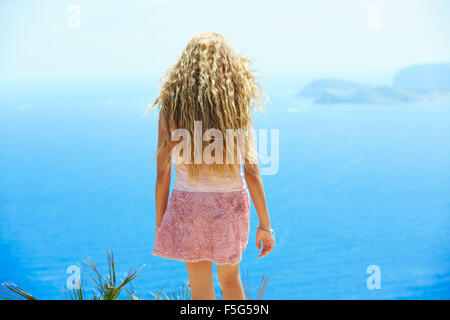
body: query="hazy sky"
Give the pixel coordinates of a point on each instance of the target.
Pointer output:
(143, 38)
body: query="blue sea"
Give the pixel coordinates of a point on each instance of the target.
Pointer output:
(358, 185)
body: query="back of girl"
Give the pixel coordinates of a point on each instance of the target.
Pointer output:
(205, 130)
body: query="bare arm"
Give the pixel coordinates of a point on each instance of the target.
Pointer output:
(162, 188)
(256, 189)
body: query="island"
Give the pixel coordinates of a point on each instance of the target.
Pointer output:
(427, 82)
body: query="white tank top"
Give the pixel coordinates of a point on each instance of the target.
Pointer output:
(206, 183)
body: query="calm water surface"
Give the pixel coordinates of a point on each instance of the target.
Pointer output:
(358, 185)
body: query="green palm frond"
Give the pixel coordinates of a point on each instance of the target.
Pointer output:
(183, 292)
(246, 284)
(107, 288)
(262, 287)
(14, 292)
(75, 294)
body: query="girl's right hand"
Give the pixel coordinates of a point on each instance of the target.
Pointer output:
(267, 242)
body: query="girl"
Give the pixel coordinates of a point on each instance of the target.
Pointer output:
(206, 219)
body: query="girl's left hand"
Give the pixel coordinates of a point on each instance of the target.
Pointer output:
(267, 240)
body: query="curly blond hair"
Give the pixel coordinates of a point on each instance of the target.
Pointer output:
(214, 84)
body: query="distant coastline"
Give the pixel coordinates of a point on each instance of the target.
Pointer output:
(416, 83)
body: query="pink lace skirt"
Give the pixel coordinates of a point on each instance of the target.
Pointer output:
(200, 226)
